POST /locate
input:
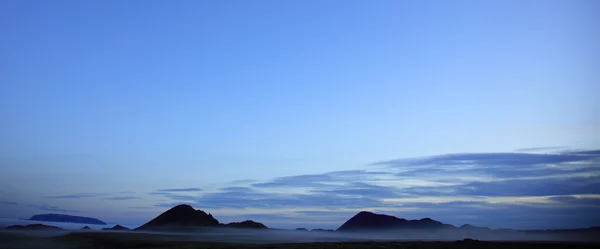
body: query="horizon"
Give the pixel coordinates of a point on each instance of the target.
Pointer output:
(301, 114)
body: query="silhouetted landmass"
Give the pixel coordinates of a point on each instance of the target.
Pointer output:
(33, 227)
(246, 224)
(371, 221)
(86, 228)
(322, 230)
(116, 228)
(302, 229)
(67, 218)
(180, 216)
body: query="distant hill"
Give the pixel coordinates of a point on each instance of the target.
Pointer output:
(67, 218)
(33, 227)
(322, 230)
(116, 228)
(180, 216)
(86, 228)
(246, 224)
(371, 221)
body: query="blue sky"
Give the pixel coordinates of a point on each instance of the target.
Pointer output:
(301, 113)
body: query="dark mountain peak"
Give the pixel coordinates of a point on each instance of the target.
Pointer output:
(86, 228)
(116, 228)
(246, 224)
(367, 214)
(370, 221)
(119, 227)
(181, 208)
(181, 216)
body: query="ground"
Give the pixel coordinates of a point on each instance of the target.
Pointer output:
(117, 240)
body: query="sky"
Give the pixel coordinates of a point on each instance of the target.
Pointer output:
(302, 113)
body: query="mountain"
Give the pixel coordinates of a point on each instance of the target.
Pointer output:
(33, 227)
(302, 229)
(86, 228)
(322, 230)
(67, 218)
(246, 224)
(116, 228)
(180, 216)
(371, 221)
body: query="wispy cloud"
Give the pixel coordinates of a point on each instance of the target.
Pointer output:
(75, 196)
(540, 149)
(49, 208)
(180, 190)
(247, 198)
(142, 207)
(123, 198)
(491, 159)
(56, 209)
(410, 185)
(8, 203)
(320, 180)
(86, 195)
(243, 181)
(174, 196)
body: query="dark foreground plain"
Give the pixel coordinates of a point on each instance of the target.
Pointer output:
(117, 240)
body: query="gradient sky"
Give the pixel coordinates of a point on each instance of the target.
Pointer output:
(301, 113)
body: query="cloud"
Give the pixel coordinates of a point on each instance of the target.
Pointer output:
(248, 198)
(507, 215)
(319, 180)
(577, 201)
(492, 159)
(86, 195)
(243, 181)
(399, 184)
(174, 196)
(8, 203)
(56, 209)
(123, 198)
(362, 189)
(465, 167)
(75, 196)
(237, 189)
(49, 208)
(180, 190)
(537, 187)
(538, 149)
(142, 207)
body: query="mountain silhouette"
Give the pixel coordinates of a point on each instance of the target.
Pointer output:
(116, 228)
(246, 224)
(33, 227)
(86, 228)
(180, 216)
(370, 221)
(67, 218)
